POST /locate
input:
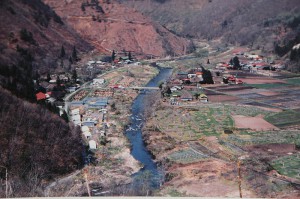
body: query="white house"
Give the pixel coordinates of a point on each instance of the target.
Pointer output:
(75, 111)
(85, 129)
(175, 88)
(92, 144)
(98, 81)
(87, 134)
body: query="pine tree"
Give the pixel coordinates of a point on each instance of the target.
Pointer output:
(74, 76)
(62, 52)
(65, 116)
(236, 62)
(113, 55)
(74, 54)
(48, 77)
(129, 56)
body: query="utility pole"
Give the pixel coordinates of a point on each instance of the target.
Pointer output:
(239, 178)
(86, 180)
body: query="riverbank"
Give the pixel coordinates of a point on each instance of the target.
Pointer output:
(112, 164)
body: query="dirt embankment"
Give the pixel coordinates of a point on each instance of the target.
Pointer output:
(113, 26)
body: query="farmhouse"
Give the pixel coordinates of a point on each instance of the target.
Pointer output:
(203, 98)
(92, 144)
(98, 82)
(40, 96)
(186, 96)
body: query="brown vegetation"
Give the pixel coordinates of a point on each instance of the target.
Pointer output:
(33, 26)
(36, 146)
(255, 23)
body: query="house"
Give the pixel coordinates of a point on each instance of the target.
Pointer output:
(87, 134)
(92, 145)
(191, 75)
(51, 100)
(175, 88)
(48, 94)
(181, 75)
(74, 111)
(99, 104)
(186, 96)
(71, 89)
(196, 80)
(97, 81)
(203, 98)
(40, 96)
(52, 81)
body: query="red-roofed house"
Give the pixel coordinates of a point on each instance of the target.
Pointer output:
(40, 96)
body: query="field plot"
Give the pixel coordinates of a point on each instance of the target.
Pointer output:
(294, 81)
(254, 123)
(187, 125)
(288, 166)
(284, 118)
(264, 137)
(186, 156)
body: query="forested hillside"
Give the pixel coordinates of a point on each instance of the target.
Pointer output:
(35, 27)
(259, 24)
(35, 146)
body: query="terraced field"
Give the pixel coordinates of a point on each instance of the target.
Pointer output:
(288, 166)
(284, 118)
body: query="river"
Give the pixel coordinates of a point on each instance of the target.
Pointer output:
(149, 175)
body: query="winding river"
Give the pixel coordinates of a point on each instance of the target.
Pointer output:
(149, 173)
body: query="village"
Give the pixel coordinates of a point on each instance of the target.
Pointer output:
(203, 106)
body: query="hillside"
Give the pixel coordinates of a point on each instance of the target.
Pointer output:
(36, 146)
(109, 26)
(33, 26)
(254, 23)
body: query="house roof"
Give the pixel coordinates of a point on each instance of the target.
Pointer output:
(186, 95)
(203, 96)
(182, 73)
(92, 144)
(40, 96)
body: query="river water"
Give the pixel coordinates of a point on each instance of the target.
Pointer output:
(149, 177)
(149, 174)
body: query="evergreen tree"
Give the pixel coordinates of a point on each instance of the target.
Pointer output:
(113, 55)
(82, 7)
(70, 60)
(58, 82)
(207, 77)
(129, 56)
(74, 76)
(74, 54)
(62, 52)
(48, 77)
(236, 62)
(65, 116)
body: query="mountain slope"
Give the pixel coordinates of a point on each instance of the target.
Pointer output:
(33, 26)
(241, 22)
(109, 26)
(36, 146)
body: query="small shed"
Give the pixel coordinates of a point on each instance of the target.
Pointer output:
(92, 145)
(203, 98)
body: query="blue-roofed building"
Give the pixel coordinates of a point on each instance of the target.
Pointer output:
(99, 103)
